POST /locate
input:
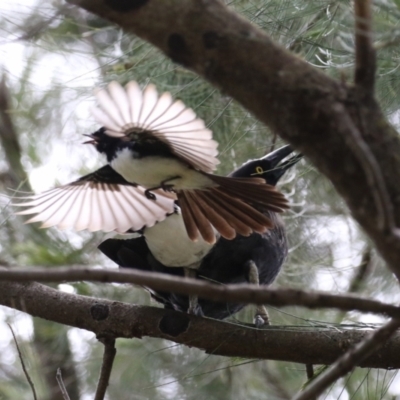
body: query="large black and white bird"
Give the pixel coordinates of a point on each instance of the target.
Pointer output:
(256, 258)
(157, 151)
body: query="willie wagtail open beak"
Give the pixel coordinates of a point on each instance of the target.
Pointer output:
(93, 139)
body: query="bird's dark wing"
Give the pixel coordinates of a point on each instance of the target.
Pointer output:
(130, 110)
(105, 174)
(100, 201)
(129, 253)
(233, 206)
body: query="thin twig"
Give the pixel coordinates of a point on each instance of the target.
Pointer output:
(364, 49)
(310, 375)
(61, 385)
(23, 364)
(273, 143)
(106, 367)
(241, 293)
(349, 360)
(361, 272)
(310, 371)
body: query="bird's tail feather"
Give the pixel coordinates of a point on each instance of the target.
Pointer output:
(229, 208)
(252, 191)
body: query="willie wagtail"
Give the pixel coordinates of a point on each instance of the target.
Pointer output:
(157, 150)
(163, 145)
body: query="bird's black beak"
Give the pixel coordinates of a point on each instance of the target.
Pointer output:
(93, 139)
(278, 170)
(278, 155)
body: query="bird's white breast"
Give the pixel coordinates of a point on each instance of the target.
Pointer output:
(170, 244)
(150, 171)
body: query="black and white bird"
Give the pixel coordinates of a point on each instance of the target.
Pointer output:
(168, 241)
(163, 145)
(256, 258)
(157, 151)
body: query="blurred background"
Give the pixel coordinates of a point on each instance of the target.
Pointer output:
(51, 57)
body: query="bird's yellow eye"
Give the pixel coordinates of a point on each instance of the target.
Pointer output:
(259, 170)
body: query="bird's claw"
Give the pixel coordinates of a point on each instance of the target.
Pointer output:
(167, 188)
(150, 195)
(261, 320)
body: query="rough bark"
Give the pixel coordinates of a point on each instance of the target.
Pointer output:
(114, 319)
(235, 293)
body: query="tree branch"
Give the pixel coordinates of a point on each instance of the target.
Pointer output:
(28, 378)
(61, 385)
(241, 293)
(104, 317)
(365, 53)
(349, 360)
(295, 99)
(362, 271)
(385, 220)
(106, 366)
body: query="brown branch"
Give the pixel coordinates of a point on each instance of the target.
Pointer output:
(373, 174)
(360, 275)
(310, 376)
(310, 371)
(293, 98)
(365, 53)
(61, 385)
(104, 317)
(241, 293)
(106, 366)
(362, 271)
(28, 378)
(349, 360)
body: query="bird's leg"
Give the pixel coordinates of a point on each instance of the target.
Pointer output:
(163, 185)
(149, 195)
(193, 299)
(261, 316)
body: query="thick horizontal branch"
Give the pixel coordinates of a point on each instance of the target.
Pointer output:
(114, 319)
(240, 293)
(295, 99)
